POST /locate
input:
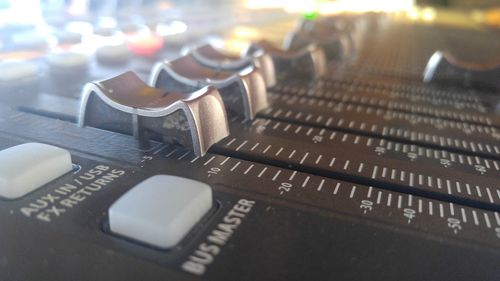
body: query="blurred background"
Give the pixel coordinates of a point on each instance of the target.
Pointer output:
(29, 24)
(466, 12)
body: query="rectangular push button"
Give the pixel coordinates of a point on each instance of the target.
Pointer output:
(161, 210)
(26, 167)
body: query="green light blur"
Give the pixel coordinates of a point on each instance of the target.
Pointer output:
(312, 15)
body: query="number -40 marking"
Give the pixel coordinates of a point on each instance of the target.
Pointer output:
(454, 224)
(410, 214)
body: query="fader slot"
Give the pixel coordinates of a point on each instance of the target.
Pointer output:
(399, 89)
(444, 106)
(99, 143)
(412, 88)
(386, 206)
(390, 118)
(377, 147)
(432, 132)
(432, 97)
(431, 181)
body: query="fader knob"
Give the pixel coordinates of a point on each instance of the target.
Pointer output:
(337, 45)
(125, 104)
(220, 60)
(444, 68)
(243, 91)
(309, 60)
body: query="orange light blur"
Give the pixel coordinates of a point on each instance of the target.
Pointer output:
(146, 45)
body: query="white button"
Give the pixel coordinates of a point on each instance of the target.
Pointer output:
(113, 54)
(26, 167)
(161, 210)
(30, 40)
(68, 60)
(16, 71)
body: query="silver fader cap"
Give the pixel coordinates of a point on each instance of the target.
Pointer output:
(242, 91)
(310, 60)
(444, 68)
(217, 59)
(125, 104)
(338, 45)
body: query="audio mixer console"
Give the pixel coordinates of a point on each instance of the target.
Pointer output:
(325, 160)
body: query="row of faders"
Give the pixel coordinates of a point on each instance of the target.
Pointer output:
(267, 165)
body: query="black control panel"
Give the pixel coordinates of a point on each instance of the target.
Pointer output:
(328, 159)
